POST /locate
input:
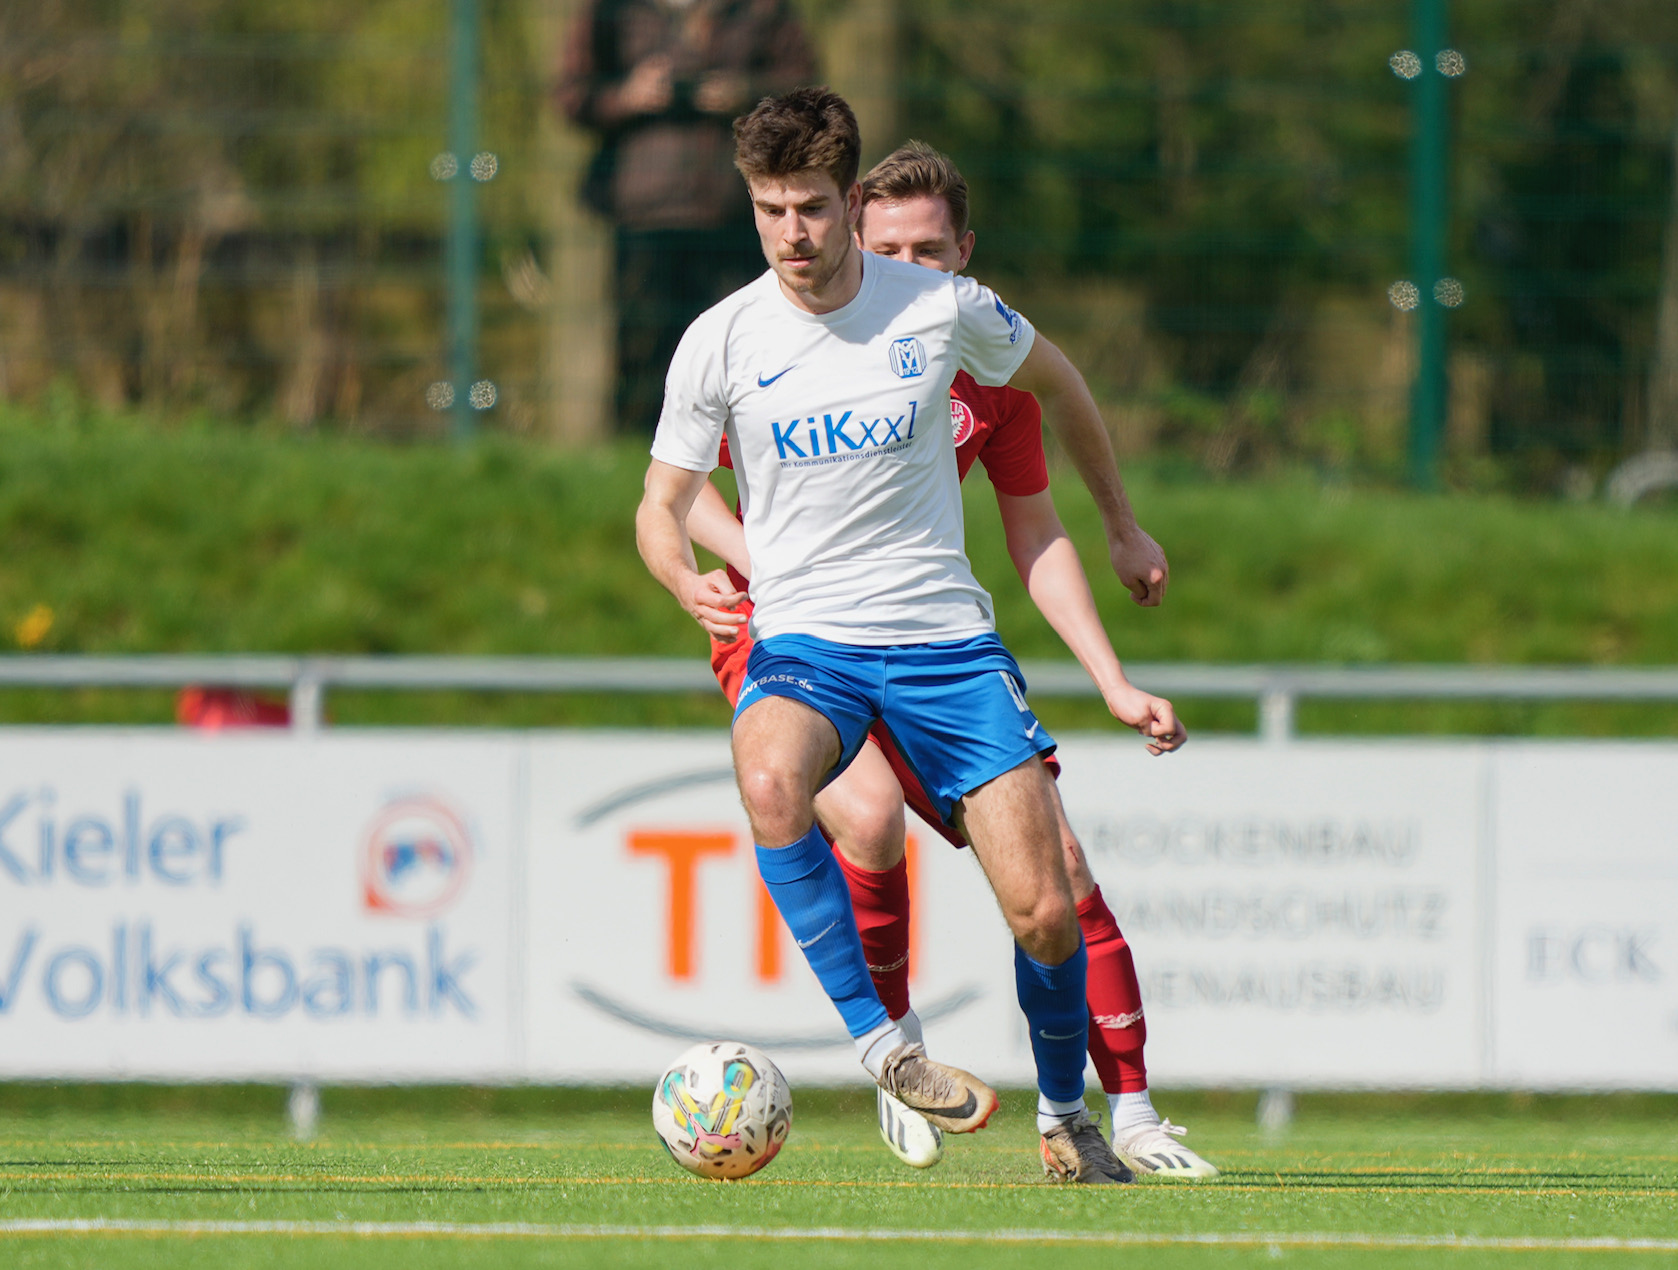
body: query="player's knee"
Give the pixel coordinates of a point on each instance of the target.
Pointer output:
(872, 837)
(1046, 926)
(775, 799)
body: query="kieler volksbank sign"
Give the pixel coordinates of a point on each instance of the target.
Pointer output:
(571, 906)
(253, 906)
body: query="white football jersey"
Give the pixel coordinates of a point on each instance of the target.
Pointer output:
(839, 429)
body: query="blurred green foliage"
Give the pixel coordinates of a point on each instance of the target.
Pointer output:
(227, 205)
(1242, 170)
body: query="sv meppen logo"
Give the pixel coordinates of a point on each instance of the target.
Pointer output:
(908, 358)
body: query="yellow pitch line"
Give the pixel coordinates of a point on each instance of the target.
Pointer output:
(328, 1146)
(407, 1179)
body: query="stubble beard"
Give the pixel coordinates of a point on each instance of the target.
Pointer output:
(814, 281)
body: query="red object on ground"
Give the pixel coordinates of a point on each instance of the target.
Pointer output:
(215, 708)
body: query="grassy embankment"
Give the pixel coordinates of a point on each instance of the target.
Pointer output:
(138, 538)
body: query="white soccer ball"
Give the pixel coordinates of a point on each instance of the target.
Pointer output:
(722, 1109)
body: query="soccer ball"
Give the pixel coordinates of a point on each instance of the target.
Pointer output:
(722, 1109)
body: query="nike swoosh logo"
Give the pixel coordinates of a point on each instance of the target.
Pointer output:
(1032, 731)
(954, 1113)
(805, 943)
(1050, 1036)
(764, 383)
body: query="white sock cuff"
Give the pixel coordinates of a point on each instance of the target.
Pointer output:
(1051, 1113)
(873, 1047)
(1132, 1109)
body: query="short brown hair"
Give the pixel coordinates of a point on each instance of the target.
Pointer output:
(914, 170)
(806, 130)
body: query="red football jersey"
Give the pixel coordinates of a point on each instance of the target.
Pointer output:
(1003, 429)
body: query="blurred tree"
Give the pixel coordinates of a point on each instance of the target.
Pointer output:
(1570, 130)
(228, 202)
(1662, 431)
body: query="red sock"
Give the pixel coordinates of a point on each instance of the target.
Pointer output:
(881, 903)
(1117, 1029)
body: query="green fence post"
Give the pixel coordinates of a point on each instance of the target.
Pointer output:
(1429, 225)
(461, 250)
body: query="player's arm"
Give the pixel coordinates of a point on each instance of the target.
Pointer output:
(662, 537)
(1054, 577)
(718, 530)
(1071, 411)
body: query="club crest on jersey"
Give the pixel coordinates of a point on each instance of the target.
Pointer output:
(1011, 318)
(961, 420)
(908, 358)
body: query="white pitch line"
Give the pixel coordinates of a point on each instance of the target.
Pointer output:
(531, 1230)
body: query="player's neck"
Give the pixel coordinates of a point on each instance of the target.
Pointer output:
(836, 292)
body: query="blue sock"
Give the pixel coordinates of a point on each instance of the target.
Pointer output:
(809, 888)
(1059, 1017)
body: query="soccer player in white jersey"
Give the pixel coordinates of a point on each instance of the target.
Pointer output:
(915, 208)
(830, 377)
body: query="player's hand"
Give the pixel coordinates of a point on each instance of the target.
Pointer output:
(1140, 564)
(714, 602)
(1152, 716)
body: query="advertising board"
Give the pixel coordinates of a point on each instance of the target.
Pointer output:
(581, 906)
(250, 906)
(1586, 915)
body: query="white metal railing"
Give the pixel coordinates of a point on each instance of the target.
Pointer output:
(1276, 688)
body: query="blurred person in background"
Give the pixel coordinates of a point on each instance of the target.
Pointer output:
(660, 82)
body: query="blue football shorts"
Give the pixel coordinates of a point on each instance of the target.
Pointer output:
(955, 708)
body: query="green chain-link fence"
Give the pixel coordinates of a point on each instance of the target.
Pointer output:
(234, 206)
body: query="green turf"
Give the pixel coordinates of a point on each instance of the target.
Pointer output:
(1382, 1166)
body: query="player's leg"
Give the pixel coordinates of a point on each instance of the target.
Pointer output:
(1117, 1027)
(910, 794)
(1118, 1030)
(799, 717)
(862, 811)
(958, 713)
(1011, 823)
(863, 807)
(783, 749)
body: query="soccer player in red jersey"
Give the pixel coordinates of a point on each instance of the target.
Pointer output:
(915, 209)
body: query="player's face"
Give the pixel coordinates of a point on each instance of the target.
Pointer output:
(917, 231)
(805, 224)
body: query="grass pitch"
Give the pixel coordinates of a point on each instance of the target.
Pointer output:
(116, 1177)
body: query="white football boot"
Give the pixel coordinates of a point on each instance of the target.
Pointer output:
(908, 1134)
(1154, 1149)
